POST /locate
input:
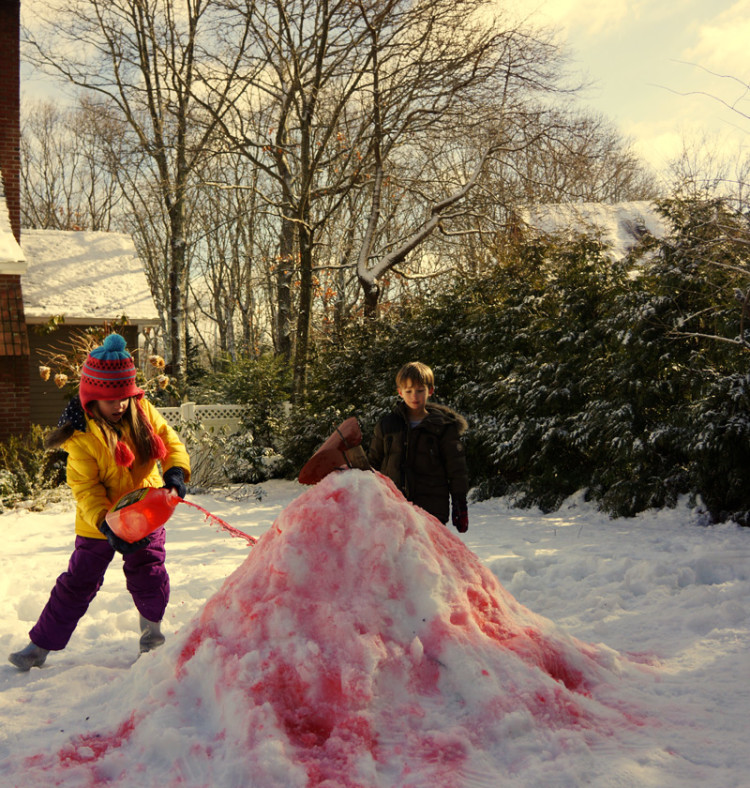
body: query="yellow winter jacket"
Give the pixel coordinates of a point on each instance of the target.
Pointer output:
(97, 481)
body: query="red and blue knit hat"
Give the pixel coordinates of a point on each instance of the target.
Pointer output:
(108, 373)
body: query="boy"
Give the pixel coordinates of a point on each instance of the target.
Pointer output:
(418, 447)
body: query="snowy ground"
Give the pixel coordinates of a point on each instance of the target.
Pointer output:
(663, 701)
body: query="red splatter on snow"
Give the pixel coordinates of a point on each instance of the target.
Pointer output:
(91, 746)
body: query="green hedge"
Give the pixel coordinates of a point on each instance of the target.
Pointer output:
(576, 372)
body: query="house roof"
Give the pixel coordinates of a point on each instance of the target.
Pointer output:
(84, 276)
(12, 259)
(13, 337)
(618, 225)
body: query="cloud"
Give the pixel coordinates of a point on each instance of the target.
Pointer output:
(722, 42)
(658, 148)
(658, 142)
(592, 17)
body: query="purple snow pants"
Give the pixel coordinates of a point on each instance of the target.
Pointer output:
(145, 577)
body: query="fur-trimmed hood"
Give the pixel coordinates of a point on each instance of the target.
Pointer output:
(437, 414)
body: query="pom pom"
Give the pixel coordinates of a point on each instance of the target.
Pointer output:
(123, 455)
(114, 343)
(158, 449)
(112, 349)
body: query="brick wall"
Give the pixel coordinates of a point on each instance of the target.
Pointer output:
(14, 395)
(14, 340)
(10, 107)
(14, 343)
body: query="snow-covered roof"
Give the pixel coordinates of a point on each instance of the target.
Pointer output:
(84, 276)
(11, 256)
(619, 225)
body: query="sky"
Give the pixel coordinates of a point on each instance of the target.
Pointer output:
(650, 62)
(657, 68)
(361, 644)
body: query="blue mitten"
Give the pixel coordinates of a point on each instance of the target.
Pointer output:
(120, 544)
(174, 478)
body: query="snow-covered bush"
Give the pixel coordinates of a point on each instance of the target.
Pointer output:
(576, 372)
(248, 462)
(263, 386)
(219, 457)
(27, 471)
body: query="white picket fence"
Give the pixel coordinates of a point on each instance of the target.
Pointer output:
(213, 417)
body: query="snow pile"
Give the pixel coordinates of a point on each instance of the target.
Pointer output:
(359, 644)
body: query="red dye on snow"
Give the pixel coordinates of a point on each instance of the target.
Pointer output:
(487, 611)
(358, 615)
(85, 752)
(92, 746)
(361, 644)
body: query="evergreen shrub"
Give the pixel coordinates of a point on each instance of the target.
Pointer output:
(263, 385)
(27, 470)
(576, 372)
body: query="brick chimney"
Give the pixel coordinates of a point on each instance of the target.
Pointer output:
(14, 343)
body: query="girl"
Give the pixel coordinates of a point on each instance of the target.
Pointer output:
(114, 439)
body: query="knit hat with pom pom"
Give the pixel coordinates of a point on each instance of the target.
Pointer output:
(108, 373)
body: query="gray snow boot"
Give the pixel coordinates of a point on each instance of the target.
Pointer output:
(151, 636)
(30, 657)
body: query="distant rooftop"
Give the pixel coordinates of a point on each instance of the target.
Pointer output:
(11, 255)
(84, 276)
(618, 225)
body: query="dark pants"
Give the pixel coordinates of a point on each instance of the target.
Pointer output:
(145, 577)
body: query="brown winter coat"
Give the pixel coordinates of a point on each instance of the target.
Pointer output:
(426, 462)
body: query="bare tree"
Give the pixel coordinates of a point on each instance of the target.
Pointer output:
(139, 57)
(704, 168)
(66, 180)
(233, 258)
(339, 94)
(465, 109)
(577, 157)
(302, 72)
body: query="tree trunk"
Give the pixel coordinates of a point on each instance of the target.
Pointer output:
(177, 301)
(284, 275)
(371, 293)
(304, 312)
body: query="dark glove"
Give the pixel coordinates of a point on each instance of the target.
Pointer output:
(120, 544)
(460, 514)
(174, 478)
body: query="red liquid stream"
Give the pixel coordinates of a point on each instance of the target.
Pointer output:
(230, 529)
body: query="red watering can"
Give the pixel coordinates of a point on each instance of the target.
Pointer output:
(142, 511)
